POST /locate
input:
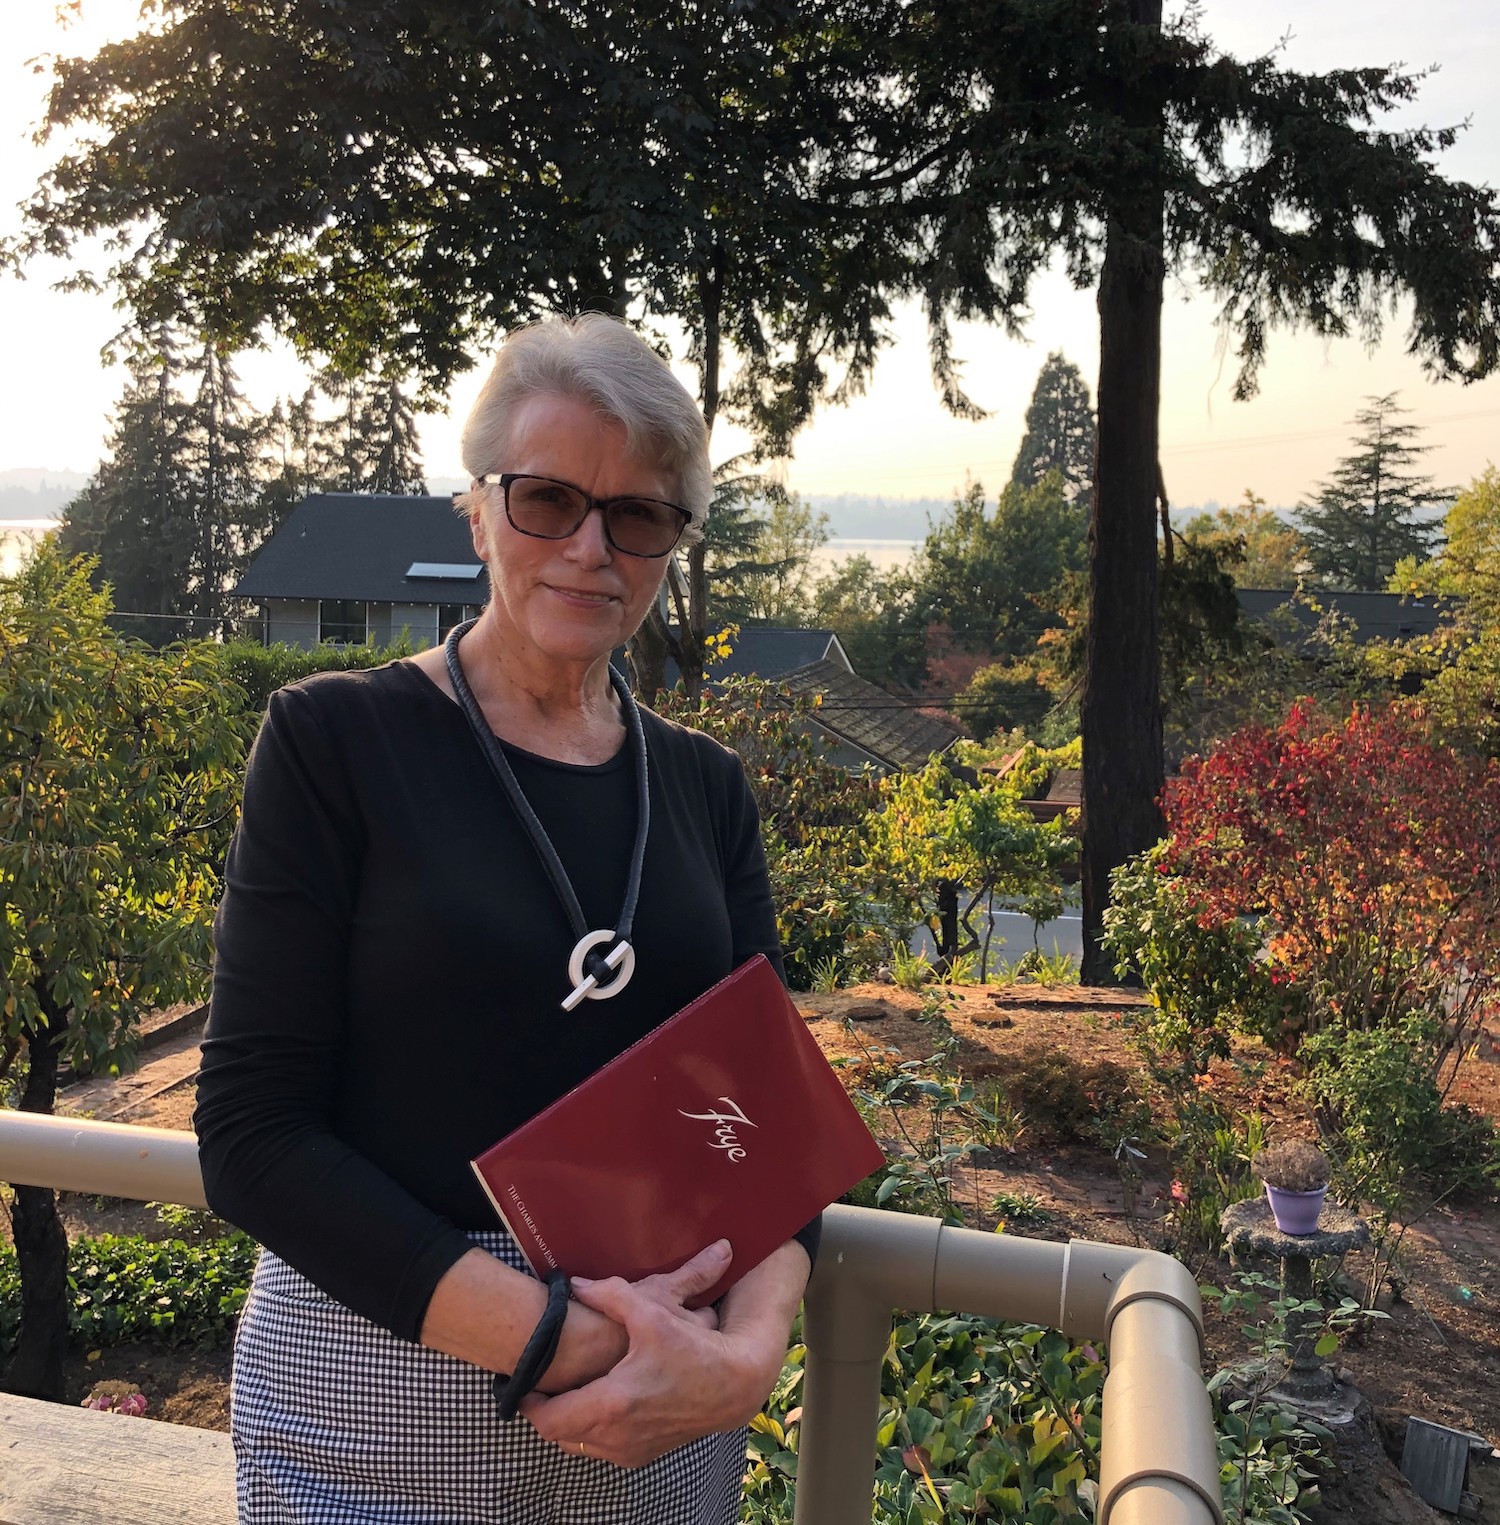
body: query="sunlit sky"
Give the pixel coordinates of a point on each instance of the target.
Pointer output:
(896, 441)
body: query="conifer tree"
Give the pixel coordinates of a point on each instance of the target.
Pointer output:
(1376, 508)
(179, 503)
(369, 443)
(224, 450)
(136, 514)
(293, 447)
(1059, 432)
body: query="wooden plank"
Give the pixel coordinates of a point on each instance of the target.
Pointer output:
(73, 1466)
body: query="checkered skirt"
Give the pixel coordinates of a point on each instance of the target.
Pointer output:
(337, 1420)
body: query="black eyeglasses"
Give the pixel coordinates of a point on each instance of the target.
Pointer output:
(553, 510)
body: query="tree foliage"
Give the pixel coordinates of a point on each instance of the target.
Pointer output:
(1089, 130)
(178, 506)
(369, 444)
(996, 579)
(932, 825)
(770, 177)
(873, 614)
(1257, 547)
(1369, 855)
(1375, 509)
(811, 814)
(760, 555)
(1060, 432)
(1460, 664)
(120, 774)
(195, 480)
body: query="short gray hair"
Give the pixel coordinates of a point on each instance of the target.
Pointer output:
(597, 360)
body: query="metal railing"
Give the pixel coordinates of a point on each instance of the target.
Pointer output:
(1158, 1461)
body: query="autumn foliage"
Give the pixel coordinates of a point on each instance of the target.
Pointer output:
(1367, 857)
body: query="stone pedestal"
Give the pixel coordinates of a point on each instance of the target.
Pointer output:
(1250, 1229)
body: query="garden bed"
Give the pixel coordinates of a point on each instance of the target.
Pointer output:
(1058, 1054)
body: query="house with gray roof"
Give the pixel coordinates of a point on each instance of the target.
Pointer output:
(355, 567)
(1372, 616)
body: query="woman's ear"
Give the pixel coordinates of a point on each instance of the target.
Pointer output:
(477, 531)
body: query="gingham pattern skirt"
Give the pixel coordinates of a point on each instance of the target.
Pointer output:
(337, 1420)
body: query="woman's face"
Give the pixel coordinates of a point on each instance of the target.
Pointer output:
(569, 601)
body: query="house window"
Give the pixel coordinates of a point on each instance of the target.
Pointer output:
(343, 621)
(450, 615)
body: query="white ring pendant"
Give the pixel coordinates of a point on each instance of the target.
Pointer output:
(585, 987)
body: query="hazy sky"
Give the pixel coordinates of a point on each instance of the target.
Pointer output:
(55, 393)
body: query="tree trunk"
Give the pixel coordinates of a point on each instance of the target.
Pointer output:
(647, 655)
(36, 1369)
(695, 636)
(1121, 709)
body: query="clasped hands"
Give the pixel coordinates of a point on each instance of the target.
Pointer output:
(684, 1373)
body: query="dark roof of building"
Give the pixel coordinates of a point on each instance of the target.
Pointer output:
(361, 545)
(1375, 616)
(770, 651)
(764, 651)
(893, 730)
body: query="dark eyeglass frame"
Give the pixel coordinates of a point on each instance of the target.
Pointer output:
(504, 479)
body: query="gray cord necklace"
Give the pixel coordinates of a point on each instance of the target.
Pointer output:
(589, 967)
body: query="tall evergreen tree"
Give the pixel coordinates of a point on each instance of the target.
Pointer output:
(136, 514)
(224, 451)
(1089, 129)
(378, 188)
(1060, 432)
(294, 454)
(1375, 508)
(179, 503)
(369, 442)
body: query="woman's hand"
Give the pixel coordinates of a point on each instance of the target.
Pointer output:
(686, 1374)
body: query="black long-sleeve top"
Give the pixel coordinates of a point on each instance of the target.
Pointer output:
(391, 961)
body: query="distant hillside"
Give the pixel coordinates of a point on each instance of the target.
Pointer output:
(857, 516)
(30, 493)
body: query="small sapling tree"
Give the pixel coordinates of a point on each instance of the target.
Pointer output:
(119, 770)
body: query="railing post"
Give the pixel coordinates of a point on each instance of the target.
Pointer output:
(869, 1265)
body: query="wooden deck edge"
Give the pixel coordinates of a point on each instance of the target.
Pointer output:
(72, 1466)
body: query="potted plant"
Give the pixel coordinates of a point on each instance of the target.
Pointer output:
(1295, 1174)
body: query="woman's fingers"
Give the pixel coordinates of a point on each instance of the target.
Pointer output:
(614, 1296)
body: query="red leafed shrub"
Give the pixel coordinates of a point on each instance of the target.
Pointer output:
(1366, 854)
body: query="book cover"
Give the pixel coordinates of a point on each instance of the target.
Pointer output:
(724, 1122)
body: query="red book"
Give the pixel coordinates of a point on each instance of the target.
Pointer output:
(726, 1122)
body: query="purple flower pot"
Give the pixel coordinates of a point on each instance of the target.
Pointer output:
(1295, 1212)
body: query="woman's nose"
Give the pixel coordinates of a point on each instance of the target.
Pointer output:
(589, 543)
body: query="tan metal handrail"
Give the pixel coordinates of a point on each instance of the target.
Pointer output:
(1158, 1461)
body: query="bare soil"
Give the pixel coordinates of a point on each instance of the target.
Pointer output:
(1437, 1356)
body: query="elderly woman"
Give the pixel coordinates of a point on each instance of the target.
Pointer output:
(419, 947)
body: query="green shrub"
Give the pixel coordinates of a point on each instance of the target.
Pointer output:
(122, 1287)
(1381, 1111)
(1201, 973)
(261, 670)
(1073, 1101)
(978, 1420)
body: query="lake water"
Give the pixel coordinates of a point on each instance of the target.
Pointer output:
(885, 554)
(17, 537)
